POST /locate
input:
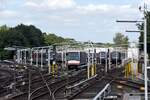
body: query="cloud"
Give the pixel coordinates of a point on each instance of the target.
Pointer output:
(73, 12)
(1, 4)
(50, 4)
(95, 8)
(106, 8)
(63, 8)
(31, 4)
(7, 14)
(59, 5)
(69, 17)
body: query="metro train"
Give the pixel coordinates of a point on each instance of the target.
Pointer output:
(116, 56)
(76, 59)
(102, 57)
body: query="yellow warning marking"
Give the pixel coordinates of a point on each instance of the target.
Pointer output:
(142, 88)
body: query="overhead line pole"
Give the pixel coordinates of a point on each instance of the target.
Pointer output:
(145, 58)
(145, 49)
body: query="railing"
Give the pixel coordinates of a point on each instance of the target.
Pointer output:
(75, 85)
(103, 93)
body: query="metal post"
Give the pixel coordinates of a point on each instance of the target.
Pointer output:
(66, 65)
(116, 57)
(95, 61)
(106, 62)
(100, 58)
(145, 58)
(92, 56)
(109, 60)
(37, 58)
(62, 58)
(88, 68)
(92, 62)
(31, 57)
(90, 43)
(65, 57)
(21, 56)
(25, 56)
(42, 58)
(49, 63)
(18, 56)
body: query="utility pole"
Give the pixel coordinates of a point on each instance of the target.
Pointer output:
(145, 48)
(145, 53)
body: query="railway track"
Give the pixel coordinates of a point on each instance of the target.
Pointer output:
(6, 78)
(57, 88)
(62, 92)
(54, 88)
(130, 84)
(93, 87)
(38, 84)
(34, 82)
(42, 90)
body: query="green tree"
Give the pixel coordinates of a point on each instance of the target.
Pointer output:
(70, 40)
(51, 39)
(4, 28)
(120, 40)
(10, 38)
(33, 35)
(27, 36)
(21, 35)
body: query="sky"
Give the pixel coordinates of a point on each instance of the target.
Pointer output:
(82, 20)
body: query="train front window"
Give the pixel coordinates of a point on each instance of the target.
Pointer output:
(115, 55)
(103, 54)
(73, 56)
